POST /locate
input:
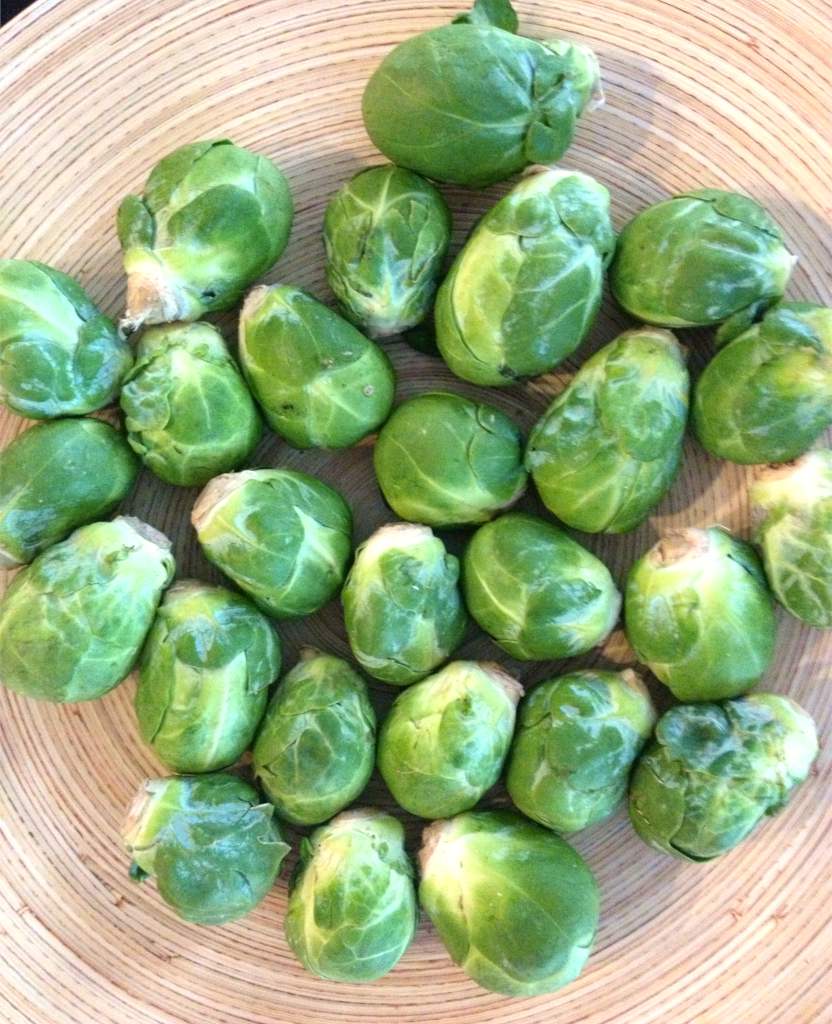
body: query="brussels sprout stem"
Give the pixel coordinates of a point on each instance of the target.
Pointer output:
(797, 477)
(798, 486)
(512, 687)
(354, 814)
(147, 532)
(396, 535)
(134, 823)
(184, 587)
(150, 298)
(676, 545)
(309, 653)
(634, 681)
(253, 301)
(7, 559)
(431, 838)
(215, 492)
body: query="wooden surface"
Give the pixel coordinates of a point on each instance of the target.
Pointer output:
(731, 93)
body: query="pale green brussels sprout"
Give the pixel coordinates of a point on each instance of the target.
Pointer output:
(526, 286)
(446, 460)
(698, 612)
(55, 477)
(283, 537)
(767, 395)
(213, 217)
(698, 258)
(212, 845)
(402, 605)
(576, 740)
(791, 508)
(73, 622)
(714, 771)
(386, 234)
(59, 354)
(319, 381)
(443, 744)
(315, 750)
(204, 675)
(537, 592)
(515, 906)
(352, 908)
(187, 410)
(609, 446)
(473, 103)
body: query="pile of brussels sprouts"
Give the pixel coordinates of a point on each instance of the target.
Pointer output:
(515, 905)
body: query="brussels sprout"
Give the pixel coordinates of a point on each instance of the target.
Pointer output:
(609, 446)
(73, 622)
(212, 219)
(714, 771)
(55, 477)
(283, 537)
(444, 742)
(767, 395)
(472, 103)
(699, 258)
(59, 355)
(577, 738)
(204, 673)
(315, 750)
(320, 382)
(445, 460)
(402, 606)
(352, 909)
(514, 904)
(536, 591)
(791, 507)
(386, 234)
(212, 846)
(699, 614)
(525, 289)
(187, 410)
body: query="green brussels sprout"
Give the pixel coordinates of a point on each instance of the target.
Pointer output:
(714, 771)
(791, 508)
(283, 537)
(609, 446)
(59, 354)
(473, 103)
(698, 612)
(386, 234)
(319, 381)
(767, 395)
(213, 847)
(526, 286)
(699, 258)
(515, 906)
(446, 460)
(316, 747)
(187, 410)
(73, 622)
(402, 606)
(212, 219)
(537, 592)
(55, 477)
(443, 744)
(352, 908)
(204, 675)
(576, 740)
